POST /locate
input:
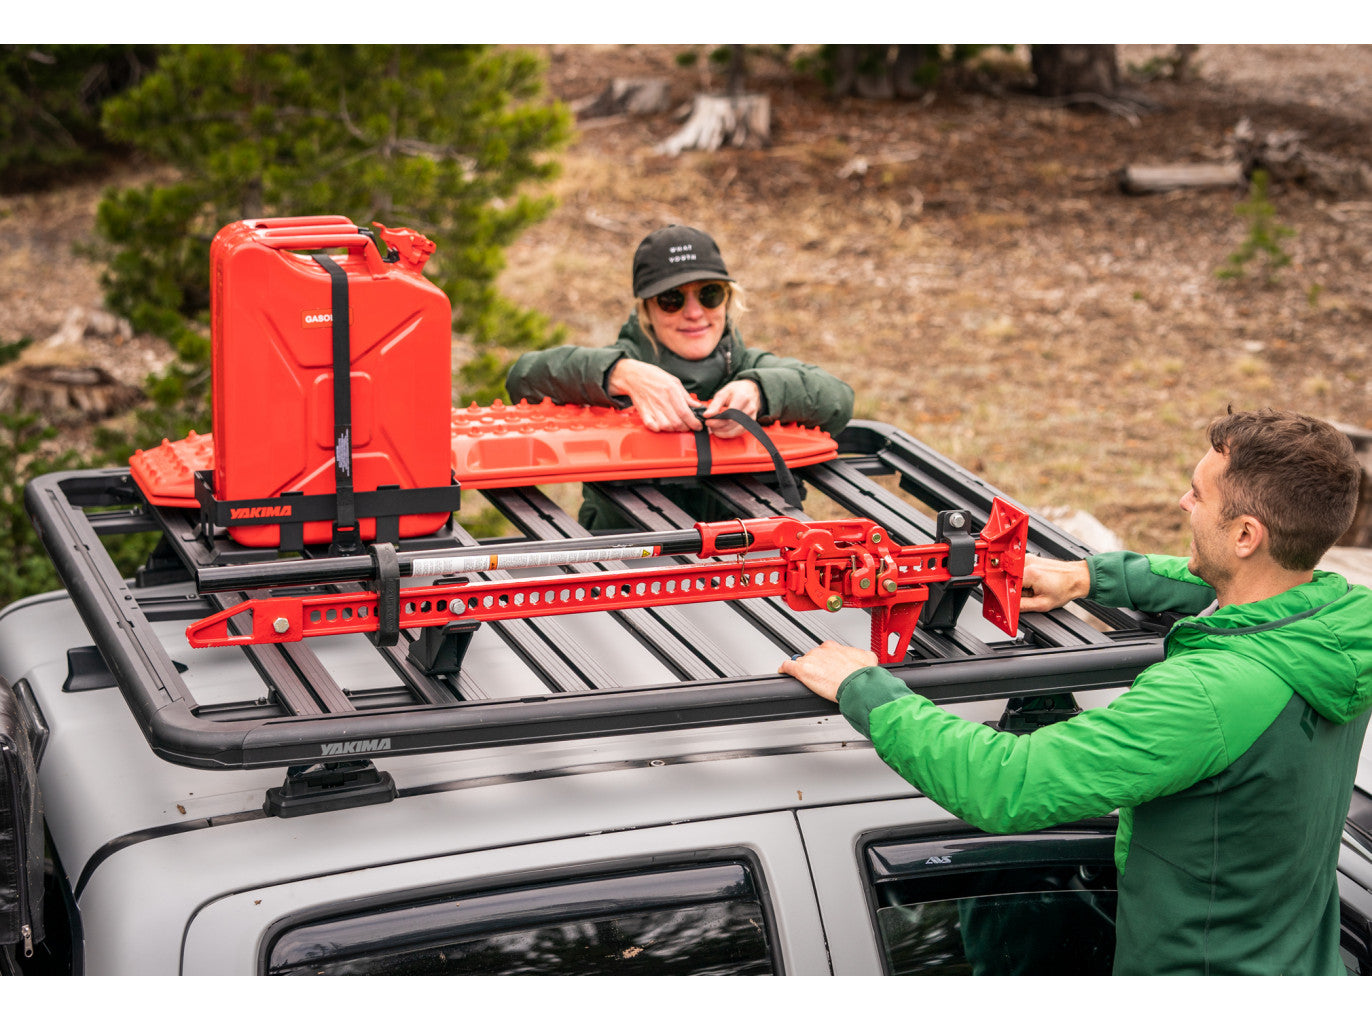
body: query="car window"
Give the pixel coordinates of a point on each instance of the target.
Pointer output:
(1031, 904)
(1355, 941)
(701, 919)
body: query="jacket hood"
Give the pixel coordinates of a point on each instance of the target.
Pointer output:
(703, 377)
(1325, 623)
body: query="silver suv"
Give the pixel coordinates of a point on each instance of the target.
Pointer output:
(632, 791)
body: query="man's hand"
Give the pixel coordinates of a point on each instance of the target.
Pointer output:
(662, 402)
(822, 669)
(1049, 584)
(741, 394)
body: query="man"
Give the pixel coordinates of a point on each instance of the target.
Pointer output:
(1231, 762)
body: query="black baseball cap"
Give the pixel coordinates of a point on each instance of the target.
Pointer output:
(675, 255)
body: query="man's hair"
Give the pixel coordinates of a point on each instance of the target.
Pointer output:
(1296, 474)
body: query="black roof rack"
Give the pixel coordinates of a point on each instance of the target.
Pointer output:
(437, 701)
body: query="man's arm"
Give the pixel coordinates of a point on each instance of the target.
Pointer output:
(1153, 584)
(1163, 735)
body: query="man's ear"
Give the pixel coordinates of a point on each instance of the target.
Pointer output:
(1248, 535)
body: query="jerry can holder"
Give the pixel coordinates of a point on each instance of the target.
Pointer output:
(292, 510)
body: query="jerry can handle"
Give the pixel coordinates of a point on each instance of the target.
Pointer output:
(325, 240)
(299, 222)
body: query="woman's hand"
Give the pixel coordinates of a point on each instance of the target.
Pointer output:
(741, 394)
(662, 402)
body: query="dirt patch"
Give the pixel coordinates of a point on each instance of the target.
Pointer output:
(966, 260)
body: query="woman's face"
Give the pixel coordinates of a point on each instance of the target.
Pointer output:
(694, 331)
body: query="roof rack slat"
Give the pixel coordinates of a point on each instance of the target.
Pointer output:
(667, 633)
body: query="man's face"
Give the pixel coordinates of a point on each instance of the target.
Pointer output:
(1212, 552)
(694, 331)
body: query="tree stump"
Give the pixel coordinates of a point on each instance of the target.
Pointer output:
(741, 122)
(83, 372)
(65, 394)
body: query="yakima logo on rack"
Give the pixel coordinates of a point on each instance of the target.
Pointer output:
(243, 513)
(321, 317)
(355, 746)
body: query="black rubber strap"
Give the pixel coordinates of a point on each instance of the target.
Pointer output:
(786, 482)
(345, 533)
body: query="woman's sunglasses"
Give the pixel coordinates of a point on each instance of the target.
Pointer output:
(712, 295)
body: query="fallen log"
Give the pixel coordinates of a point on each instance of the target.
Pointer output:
(1142, 180)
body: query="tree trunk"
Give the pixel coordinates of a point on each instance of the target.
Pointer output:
(1075, 70)
(879, 71)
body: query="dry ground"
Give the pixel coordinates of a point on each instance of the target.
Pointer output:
(983, 283)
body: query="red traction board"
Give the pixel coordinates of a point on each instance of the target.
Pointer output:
(522, 444)
(506, 445)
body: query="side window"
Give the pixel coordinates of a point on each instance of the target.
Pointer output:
(1355, 941)
(698, 919)
(1042, 903)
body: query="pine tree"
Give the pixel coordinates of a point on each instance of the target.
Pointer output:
(442, 139)
(50, 99)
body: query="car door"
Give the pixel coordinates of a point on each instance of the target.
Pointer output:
(725, 896)
(905, 888)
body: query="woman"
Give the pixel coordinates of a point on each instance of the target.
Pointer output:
(679, 352)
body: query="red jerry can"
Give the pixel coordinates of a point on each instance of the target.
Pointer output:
(278, 429)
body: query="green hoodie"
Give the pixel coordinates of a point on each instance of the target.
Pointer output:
(792, 391)
(1231, 763)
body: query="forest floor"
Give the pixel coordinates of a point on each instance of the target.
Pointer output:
(967, 260)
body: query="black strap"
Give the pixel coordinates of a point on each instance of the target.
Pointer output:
(786, 482)
(346, 538)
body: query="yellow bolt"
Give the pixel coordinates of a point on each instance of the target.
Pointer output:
(889, 585)
(865, 583)
(877, 537)
(834, 604)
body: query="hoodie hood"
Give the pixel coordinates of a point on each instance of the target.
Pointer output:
(1326, 623)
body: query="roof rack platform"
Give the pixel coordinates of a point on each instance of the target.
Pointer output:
(517, 681)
